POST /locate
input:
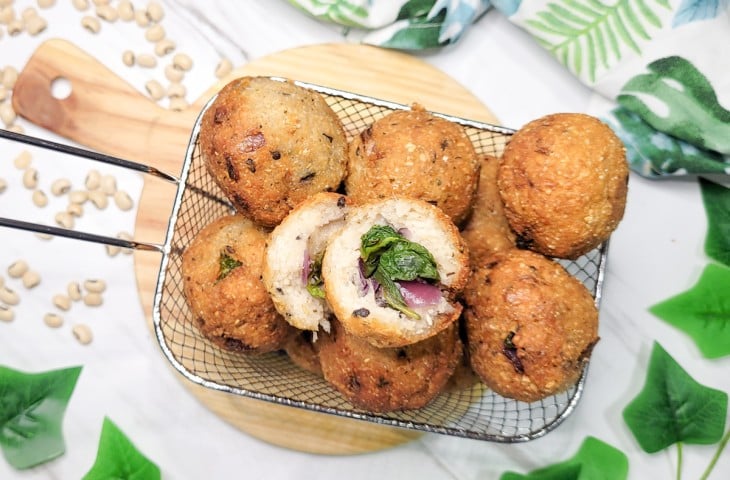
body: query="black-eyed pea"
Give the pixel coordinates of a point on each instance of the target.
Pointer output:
(60, 187)
(141, 19)
(82, 333)
(224, 68)
(113, 250)
(155, 12)
(61, 302)
(176, 89)
(3, 93)
(146, 60)
(93, 180)
(93, 299)
(53, 320)
(10, 76)
(15, 128)
(81, 5)
(27, 13)
(154, 89)
(164, 46)
(107, 13)
(125, 9)
(128, 237)
(65, 220)
(22, 160)
(17, 268)
(173, 74)
(101, 2)
(7, 114)
(178, 104)
(44, 236)
(95, 285)
(75, 209)
(30, 178)
(155, 33)
(31, 279)
(128, 58)
(123, 200)
(15, 27)
(3, 185)
(182, 61)
(73, 289)
(46, 3)
(108, 185)
(8, 296)
(78, 196)
(91, 24)
(40, 199)
(7, 314)
(35, 25)
(99, 199)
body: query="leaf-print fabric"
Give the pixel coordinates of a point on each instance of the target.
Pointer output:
(664, 65)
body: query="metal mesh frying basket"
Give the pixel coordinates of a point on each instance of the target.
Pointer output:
(474, 413)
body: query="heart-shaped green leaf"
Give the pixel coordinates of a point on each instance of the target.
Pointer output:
(672, 407)
(32, 406)
(118, 458)
(716, 199)
(595, 460)
(702, 312)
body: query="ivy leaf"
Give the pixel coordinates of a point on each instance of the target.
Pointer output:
(595, 460)
(672, 407)
(32, 406)
(717, 205)
(118, 458)
(702, 312)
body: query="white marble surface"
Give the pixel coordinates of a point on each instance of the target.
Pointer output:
(656, 252)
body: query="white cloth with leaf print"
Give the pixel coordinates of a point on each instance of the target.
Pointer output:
(665, 65)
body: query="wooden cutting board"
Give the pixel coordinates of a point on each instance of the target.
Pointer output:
(106, 114)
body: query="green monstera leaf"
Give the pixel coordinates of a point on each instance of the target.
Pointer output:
(595, 460)
(674, 408)
(652, 153)
(583, 34)
(702, 312)
(32, 406)
(694, 114)
(119, 459)
(716, 199)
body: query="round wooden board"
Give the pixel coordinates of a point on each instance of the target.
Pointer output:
(144, 132)
(373, 72)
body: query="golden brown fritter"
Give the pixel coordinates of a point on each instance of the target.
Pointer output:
(487, 230)
(388, 379)
(302, 352)
(563, 180)
(269, 145)
(531, 326)
(222, 285)
(415, 154)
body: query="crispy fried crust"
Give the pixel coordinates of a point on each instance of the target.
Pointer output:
(269, 145)
(487, 230)
(531, 326)
(415, 154)
(388, 379)
(563, 180)
(234, 312)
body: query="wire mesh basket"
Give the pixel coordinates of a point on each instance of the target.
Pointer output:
(474, 413)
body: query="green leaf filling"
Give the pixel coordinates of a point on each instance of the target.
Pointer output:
(118, 458)
(595, 460)
(673, 407)
(32, 406)
(703, 311)
(226, 265)
(389, 257)
(315, 282)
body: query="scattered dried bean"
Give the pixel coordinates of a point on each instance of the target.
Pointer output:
(125, 9)
(93, 180)
(99, 199)
(108, 184)
(92, 299)
(164, 46)
(31, 279)
(30, 178)
(40, 199)
(7, 114)
(74, 291)
(95, 285)
(62, 302)
(3, 185)
(107, 13)
(224, 68)
(8, 296)
(65, 220)
(176, 90)
(154, 89)
(81, 5)
(82, 333)
(146, 60)
(15, 27)
(155, 12)
(78, 196)
(173, 74)
(35, 25)
(155, 33)
(6, 314)
(22, 161)
(140, 17)
(182, 62)
(17, 268)
(46, 3)
(60, 187)
(91, 24)
(53, 320)
(75, 209)
(128, 58)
